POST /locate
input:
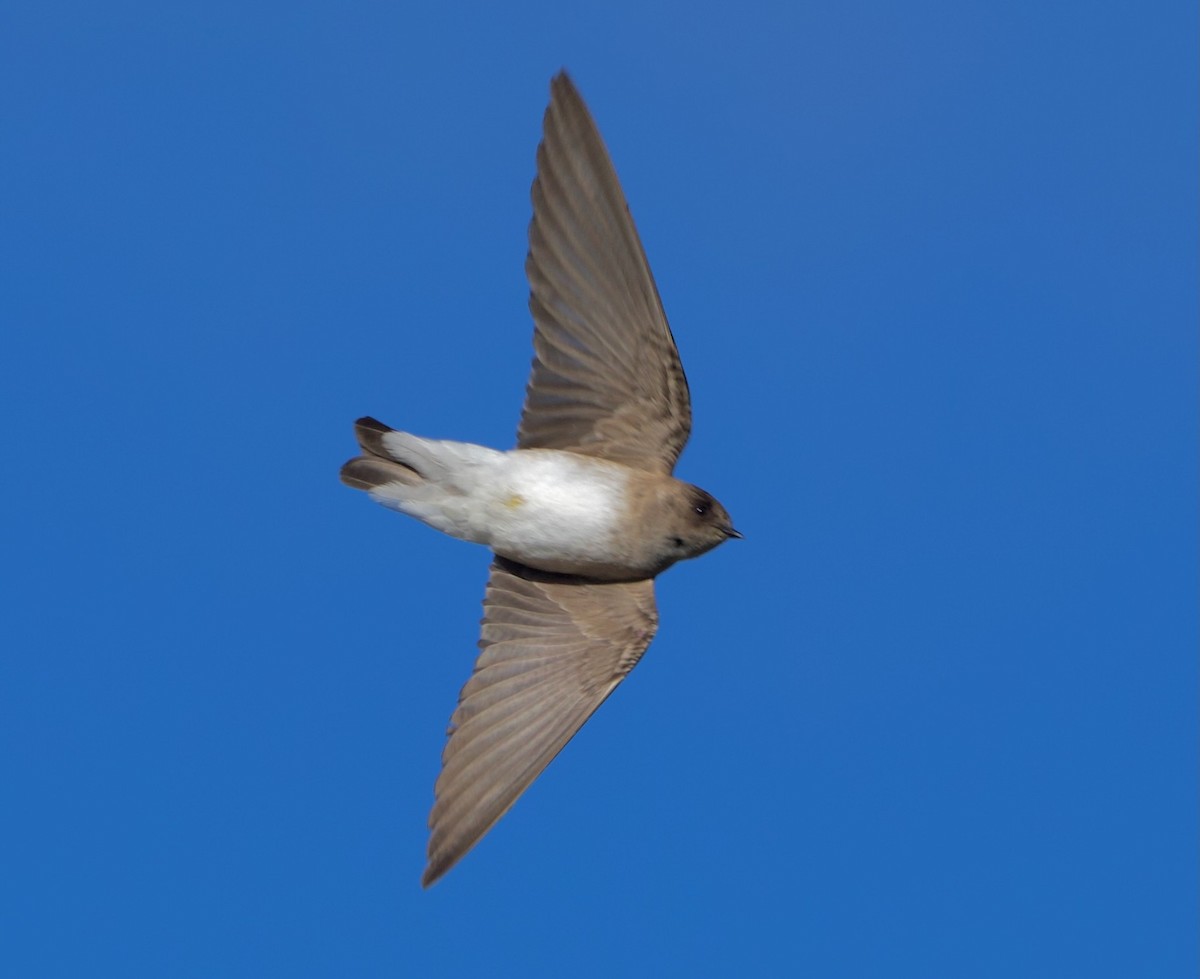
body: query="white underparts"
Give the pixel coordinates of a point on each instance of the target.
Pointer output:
(547, 508)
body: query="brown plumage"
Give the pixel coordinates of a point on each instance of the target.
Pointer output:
(607, 386)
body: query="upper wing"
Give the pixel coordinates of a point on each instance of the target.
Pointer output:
(552, 650)
(606, 377)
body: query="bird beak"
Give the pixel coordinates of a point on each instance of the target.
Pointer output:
(730, 532)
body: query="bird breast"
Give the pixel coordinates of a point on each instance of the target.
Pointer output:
(557, 511)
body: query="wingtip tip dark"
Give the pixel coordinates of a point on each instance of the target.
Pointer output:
(432, 874)
(563, 83)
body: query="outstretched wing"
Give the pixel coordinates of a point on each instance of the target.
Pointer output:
(606, 378)
(552, 650)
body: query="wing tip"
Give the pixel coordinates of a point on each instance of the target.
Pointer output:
(562, 81)
(434, 871)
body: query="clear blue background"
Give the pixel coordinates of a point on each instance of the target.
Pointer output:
(931, 267)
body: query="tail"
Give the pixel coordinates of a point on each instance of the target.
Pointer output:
(379, 465)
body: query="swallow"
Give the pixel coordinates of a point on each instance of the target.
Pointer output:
(582, 515)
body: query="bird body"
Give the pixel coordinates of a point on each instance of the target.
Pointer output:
(549, 509)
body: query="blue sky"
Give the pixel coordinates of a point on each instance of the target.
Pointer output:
(931, 268)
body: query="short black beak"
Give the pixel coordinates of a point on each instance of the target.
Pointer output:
(730, 532)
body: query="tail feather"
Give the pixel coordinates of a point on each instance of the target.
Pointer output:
(377, 466)
(423, 458)
(394, 463)
(370, 472)
(370, 433)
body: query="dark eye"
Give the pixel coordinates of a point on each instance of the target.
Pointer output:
(701, 509)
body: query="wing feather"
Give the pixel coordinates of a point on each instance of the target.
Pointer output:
(606, 377)
(552, 650)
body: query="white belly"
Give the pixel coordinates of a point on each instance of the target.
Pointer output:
(555, 511)
(546, 508)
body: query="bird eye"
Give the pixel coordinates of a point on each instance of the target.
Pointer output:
(701, 509)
